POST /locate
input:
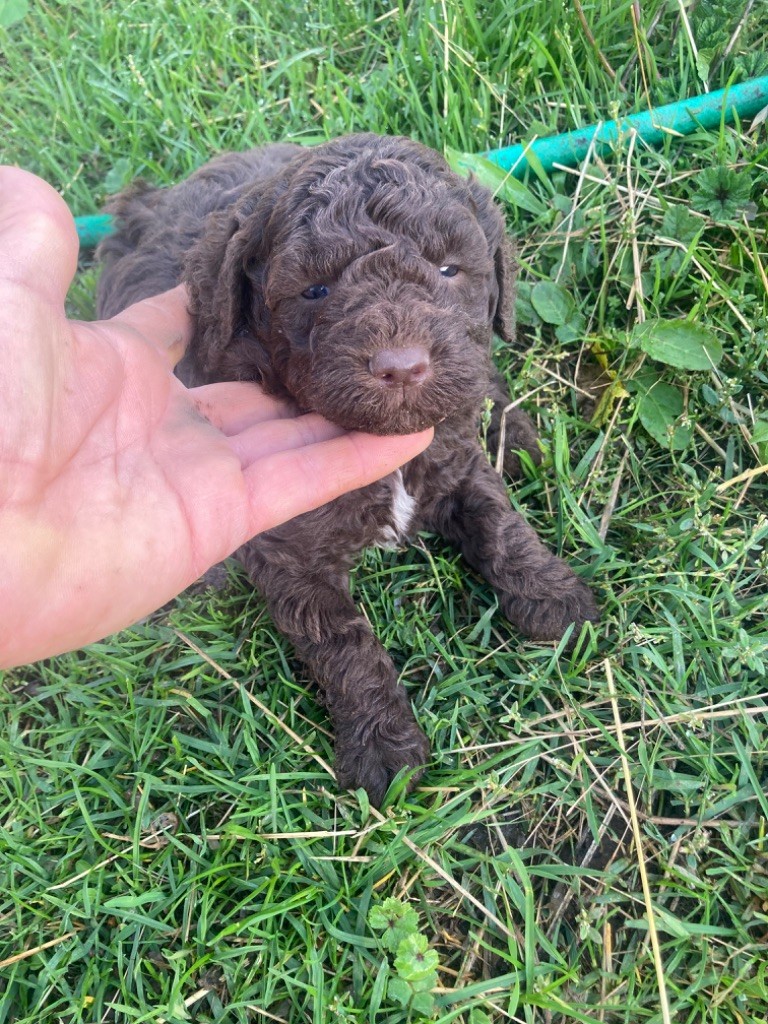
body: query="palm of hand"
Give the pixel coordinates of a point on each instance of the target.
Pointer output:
(125, 491)
(119, 486)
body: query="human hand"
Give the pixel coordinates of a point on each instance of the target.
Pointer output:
(119, 486)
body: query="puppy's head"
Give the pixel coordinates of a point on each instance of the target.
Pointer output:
(363, 281)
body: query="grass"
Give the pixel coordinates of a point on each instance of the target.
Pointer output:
(173, 844)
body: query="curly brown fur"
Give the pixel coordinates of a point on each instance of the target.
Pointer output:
(317, 272)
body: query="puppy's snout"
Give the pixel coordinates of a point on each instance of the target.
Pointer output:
(400, 367)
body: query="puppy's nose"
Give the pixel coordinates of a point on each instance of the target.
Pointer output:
(400, 367)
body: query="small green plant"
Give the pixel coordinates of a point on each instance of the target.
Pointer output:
(415, 963)
(660, 405)
(724, 195)
(548, 302)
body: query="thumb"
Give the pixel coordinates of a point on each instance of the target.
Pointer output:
(163, 321)
(38, 240)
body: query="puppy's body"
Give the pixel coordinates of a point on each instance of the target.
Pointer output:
(362, 280)
(157, 227)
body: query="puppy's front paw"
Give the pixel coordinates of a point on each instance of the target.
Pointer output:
(543, 609)
(371, 754)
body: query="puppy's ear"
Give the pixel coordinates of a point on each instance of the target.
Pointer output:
(224, 273)
(491, 220)
(505, 261)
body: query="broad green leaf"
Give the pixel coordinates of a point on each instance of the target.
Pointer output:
(12, 11)
(553, 303)
(679, 343)
(524, 310)
(723, 194)
(659, 406)
(415, 961)
(500, 182)
(423, 1003)
(399, 991)
(679, 223)
(573, 330)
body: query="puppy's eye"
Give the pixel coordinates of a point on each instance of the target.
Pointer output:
(449, 270)
(316, 291)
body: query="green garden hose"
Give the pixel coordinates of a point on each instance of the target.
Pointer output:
(652, 126)
(91, 230)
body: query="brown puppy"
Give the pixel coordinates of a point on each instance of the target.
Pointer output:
(362, 279)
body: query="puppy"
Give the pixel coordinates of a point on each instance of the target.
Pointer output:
(361, 279)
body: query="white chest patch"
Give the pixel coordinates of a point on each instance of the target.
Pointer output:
(403, 507)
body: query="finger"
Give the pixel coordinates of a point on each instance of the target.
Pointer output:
(38, 240)
(234, 406)
(280, 435)
(162, 320)
(284, 485)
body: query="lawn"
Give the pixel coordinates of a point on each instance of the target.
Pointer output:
(590, 842)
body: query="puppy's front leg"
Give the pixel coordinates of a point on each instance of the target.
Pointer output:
(537, 591)
(375, 730)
